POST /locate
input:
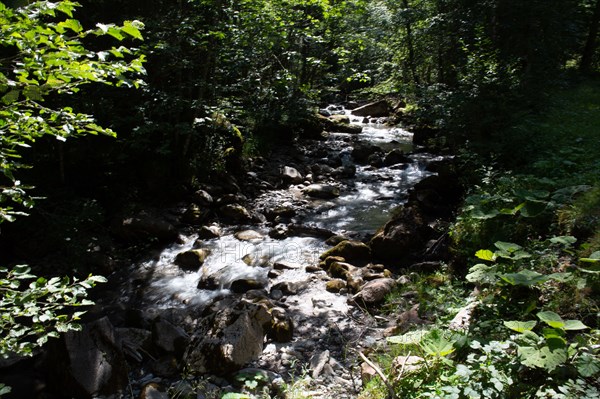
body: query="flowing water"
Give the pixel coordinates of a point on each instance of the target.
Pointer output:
(365, 204)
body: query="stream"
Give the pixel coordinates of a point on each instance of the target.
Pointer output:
(326, 324)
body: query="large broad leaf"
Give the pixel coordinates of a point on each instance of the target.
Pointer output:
(485, 254)
(552, 319)
(524, 277)
(520, 326)
(434, 344)
(587, 365)
(564, 240)
(482, 274)
(541, 358)
(572, 325)
(507, 246)
(480, 214)
(410, 338)
(533, 208)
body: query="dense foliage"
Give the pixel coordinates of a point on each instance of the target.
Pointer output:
(227, 79)
(42, 57)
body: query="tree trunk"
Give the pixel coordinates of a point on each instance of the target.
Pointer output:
(411, 48)
(590, 44)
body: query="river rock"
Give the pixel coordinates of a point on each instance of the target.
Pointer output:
(340, 118)
(279, 232)
(405, 231)
(144, 226)
(246, 284)
(285, 210)
(88, 363)
(285, 265)
(248, 235)
(362, 151)
(152, 391)
(195, 215)
(134, 342)
(290, 287)
(234, 198)
(375, 109)
(208, 232)
(340, 124)
(375, 291)
(350, 250)
(341, 270)
(335, 285)
(375, 160)
(437, 195)
(345, 172)
(191, 260)
(303, 230)
(291, 175)
(322, 191)
(329, 260)
(394, 157)
(228, 339)
(282, 326)
(169, 338)
(202, 198)
(235, 213)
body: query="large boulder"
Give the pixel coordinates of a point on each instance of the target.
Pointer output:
(341, 124)
(376, 109)
(191, 260)
(169, 337)
(375, 291)
(438, 194)
(228, 339)
(323, 191)
(399, 236)
(350, 250)
(88, 363)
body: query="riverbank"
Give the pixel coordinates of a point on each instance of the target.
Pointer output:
(520, 318)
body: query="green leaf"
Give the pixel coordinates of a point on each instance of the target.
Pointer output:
(593, 258)
(552, 319)
(520, 326)
(485, 254)
(409, 338)
(132, 28)
(481, 215)
(507, 246)
(524, 277)
(434, 344)
(71, 24)
(233, 395)
(10, 97)
(571, 325)
(533, 208)
(564, 240)
(541, 358)
(481, 273)
(587, 365)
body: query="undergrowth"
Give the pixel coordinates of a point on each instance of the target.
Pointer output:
(529, 236)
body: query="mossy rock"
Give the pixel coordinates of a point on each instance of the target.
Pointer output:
(351, 251)
(335, 285)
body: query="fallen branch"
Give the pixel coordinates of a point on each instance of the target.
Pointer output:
(380, 373)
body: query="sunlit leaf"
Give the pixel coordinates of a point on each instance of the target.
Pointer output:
(520, 326)
(485, 254)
